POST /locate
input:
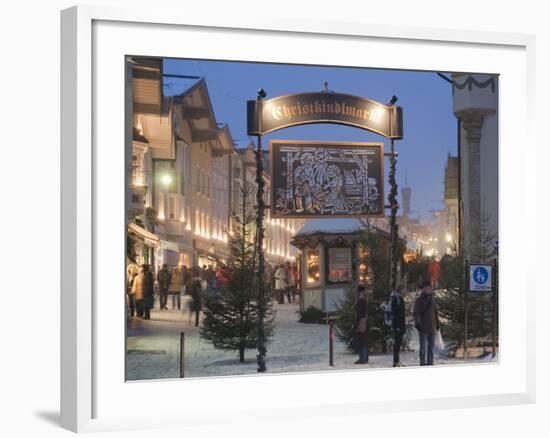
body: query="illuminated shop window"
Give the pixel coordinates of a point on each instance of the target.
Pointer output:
(313, 266)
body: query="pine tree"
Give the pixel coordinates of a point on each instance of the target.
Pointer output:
(231, 319)
(450, 300)
(454, 286)
(345, 323)
(480, 307)
(378, 289)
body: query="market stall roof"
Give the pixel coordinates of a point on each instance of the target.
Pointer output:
(335, 226)
(330, 226)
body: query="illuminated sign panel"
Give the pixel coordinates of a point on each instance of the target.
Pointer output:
(326, 179)
(305, 108)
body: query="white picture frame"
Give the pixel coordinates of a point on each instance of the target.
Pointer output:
(93, 397)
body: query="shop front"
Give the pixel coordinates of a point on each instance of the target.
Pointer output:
(141, 245)
(208, 254)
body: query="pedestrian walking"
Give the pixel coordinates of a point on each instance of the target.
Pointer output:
(195, 305)
(222, 276)
(131, 273)
(397, 311)
(434, 272)
(296, 280)
(426, 321)
(361, 316)
(269, 281)
(163, 280)
(280, 283)
(290, 285)
(143, 291)
(176, 283)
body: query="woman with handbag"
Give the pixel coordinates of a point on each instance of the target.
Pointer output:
(361, 325)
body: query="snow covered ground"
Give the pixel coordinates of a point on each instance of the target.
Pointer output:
(153, 349)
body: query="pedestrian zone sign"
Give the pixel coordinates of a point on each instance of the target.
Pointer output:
(481, 278)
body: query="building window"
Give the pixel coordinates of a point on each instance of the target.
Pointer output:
(172, 208)
(198, 182)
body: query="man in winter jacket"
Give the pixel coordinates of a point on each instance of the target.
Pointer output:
(164, 277)
(361, 325)
(143, 291)
(426, 321)
(398, 320)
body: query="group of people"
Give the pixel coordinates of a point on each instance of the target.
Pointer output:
(426, 321)
(176, 282)
(283, 280)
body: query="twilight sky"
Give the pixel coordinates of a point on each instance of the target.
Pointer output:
(429, 124)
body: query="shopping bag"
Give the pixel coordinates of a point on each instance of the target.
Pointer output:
(439, 344)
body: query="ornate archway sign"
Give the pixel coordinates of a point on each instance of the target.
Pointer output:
(264, 116)
(270, 115)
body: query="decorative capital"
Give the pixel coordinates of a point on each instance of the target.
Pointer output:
(472, 121)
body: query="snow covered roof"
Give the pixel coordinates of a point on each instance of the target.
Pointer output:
(330, 226)
(243, 144)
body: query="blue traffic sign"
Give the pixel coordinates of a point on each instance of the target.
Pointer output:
(481, 278)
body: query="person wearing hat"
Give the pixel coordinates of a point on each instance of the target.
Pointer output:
(426, 321)
(361, 325)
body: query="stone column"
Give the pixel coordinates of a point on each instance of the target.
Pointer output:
(472, 122)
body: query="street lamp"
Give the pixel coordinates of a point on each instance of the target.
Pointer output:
(166, 179)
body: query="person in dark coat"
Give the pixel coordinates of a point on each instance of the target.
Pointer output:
(164, 277)
(196, 294)
(397, 306)
(143, 291)
(361, 325)
(426, 321)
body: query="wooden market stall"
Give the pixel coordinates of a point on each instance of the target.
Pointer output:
(331, 260)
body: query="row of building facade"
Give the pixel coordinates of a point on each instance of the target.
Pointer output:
(186, 176)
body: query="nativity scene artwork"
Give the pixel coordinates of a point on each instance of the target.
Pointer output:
(328, 178)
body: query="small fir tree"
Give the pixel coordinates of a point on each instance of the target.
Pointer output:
(345, 321)
(231, 318)
(374, 256)
(451, 300)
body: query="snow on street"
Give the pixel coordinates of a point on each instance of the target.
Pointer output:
(153, 349)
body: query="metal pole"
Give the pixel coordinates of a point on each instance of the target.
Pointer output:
(182, 355)
(466, 287)
(494, 316)
(459, 195)
(259, 245)
(392, 198)
(331, 343)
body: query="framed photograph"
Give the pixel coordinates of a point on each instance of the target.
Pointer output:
(186, 280)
